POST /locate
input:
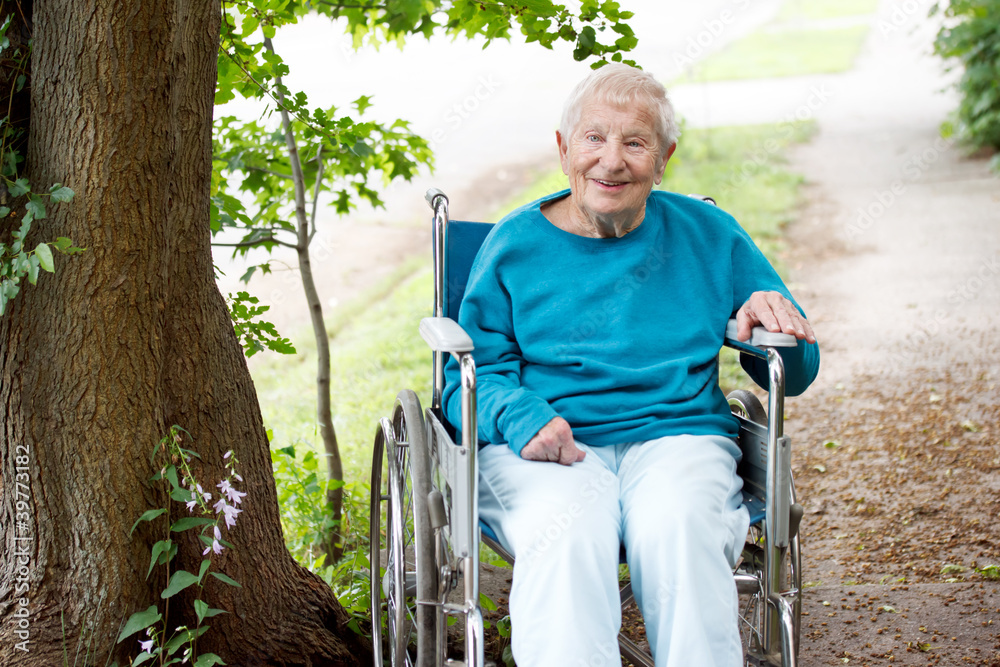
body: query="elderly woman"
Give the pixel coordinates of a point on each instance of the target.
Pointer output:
(597, 314)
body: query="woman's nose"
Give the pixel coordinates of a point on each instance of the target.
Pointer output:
(613, 156)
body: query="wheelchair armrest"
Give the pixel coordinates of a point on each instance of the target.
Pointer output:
(759, 337)
(444, 334)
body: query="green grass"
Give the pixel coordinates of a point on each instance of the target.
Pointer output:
(767, 54)
(818, 10)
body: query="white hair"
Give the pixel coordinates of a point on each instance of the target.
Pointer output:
(622, 86)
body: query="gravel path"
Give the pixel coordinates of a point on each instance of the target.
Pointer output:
(897, 446)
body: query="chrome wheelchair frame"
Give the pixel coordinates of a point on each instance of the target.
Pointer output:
(429, 540)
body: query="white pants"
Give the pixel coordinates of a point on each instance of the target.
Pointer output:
(675, 505)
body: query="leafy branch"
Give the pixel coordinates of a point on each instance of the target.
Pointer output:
(17, 261)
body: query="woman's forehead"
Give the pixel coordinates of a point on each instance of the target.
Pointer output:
(601, 114)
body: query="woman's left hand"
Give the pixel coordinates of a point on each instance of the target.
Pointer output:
(775, 313)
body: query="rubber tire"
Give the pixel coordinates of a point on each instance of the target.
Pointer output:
(407, 485)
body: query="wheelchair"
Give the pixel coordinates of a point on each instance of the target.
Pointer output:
(425, 532)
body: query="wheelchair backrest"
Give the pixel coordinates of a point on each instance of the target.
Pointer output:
(462, 243)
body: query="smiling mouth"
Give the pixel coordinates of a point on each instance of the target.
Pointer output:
(609, 184)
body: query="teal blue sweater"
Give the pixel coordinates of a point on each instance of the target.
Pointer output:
(619, 336)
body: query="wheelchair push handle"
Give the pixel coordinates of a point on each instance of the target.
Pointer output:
(432, 195)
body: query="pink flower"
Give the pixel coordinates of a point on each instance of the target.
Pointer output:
(235, 497)
(146, 646)
(228, 511)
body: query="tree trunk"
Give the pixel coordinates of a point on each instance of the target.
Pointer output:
(132, 336)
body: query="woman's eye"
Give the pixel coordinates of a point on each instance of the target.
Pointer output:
(593, 138)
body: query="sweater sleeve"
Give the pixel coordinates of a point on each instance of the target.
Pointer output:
(506, 411)
(752, 273)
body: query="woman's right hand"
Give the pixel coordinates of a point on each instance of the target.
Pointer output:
(554, 442)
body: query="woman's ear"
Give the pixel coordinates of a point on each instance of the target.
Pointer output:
(563, 152)
(662, 167)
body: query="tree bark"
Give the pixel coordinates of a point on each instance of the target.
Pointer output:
(132, 336)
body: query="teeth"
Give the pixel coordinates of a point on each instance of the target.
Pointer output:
(607, 182)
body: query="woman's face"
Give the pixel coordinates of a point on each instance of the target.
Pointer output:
(613, 159)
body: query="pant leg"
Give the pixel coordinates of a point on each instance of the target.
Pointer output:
(683, 530)
(562, 523)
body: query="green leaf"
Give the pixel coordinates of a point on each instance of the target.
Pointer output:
(204, 568)
(44, 254)
(33, 264)
(140, 620)
(19, 187)
(226, 579)
(158, 549)
(147, 516)
(171, 475)
(486, 603)
(141, 658)
(207, 660)
(178, 582)
(182, 495)
(189, 522)
(200, 609)
(36, 207)
(203, 611)
(61, 193)
(361, 149)
(184, 636)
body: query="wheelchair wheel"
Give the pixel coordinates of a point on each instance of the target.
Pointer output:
(753, 604)
(405, 540)
(748, 406)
